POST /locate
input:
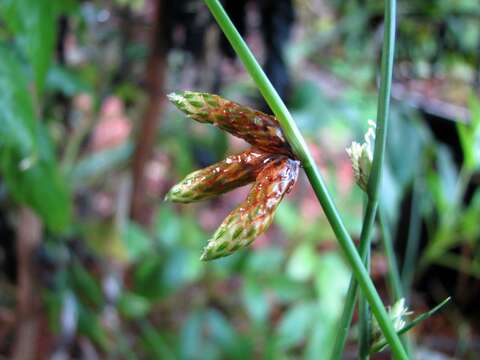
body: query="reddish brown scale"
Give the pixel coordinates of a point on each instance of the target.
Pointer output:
(235, 171)
(253, 217)
(255, 127)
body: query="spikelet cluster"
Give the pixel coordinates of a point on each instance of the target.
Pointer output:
(255, 127)
(269, 164)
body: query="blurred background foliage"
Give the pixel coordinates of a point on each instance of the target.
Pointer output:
(95, 265)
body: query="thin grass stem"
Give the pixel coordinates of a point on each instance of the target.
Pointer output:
(350, 299)
(374, 180)
(393, 275)
(364, 320)
(394, 281)
(413, 239)
(299, 146)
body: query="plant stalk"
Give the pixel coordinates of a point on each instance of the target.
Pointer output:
(364, 318)
(301, 150)
(394, 281)
(374, 180)
(413, 239)
(349, 306)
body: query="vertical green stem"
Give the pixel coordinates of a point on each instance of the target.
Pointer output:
(301, 150)
(376, 172)
(383, 108)
(348, 308)
(364, 320)
(394, 281)
(393, 274)
(413, 238)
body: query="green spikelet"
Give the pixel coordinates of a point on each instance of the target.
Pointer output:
(255, 127)
(234, 171)
(253, 217)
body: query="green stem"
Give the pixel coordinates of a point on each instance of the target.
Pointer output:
(383, 108)
(375, 174)
(301, 150)
(413, 239)
(348, 308)
(345, 321)
(394, 281)
(364, 320)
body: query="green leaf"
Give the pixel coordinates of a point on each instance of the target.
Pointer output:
(223, 334)
(137, 242)
(155, 343)
(301, 264)
(469, 135)
(94, 166)
(17, 117)
(34, 24)
(255, 300)
(295, 324)
(67, 81)
(90, 326)
(27, 159)
(133, 306)
(38, 183)
(85, 284)
(405, 161)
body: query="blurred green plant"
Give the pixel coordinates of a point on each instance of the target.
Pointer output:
(28, 160)
(279, 301)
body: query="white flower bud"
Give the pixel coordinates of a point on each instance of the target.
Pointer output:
(361, 156)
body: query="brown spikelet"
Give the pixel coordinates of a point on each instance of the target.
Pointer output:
(253, 217)
(234, 171)
(255, 127)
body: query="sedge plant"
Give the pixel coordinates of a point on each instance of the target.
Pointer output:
(372, 187)
(302, 153)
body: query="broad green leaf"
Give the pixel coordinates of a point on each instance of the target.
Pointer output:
(448, 176)
(225, 337)
(67, 81)
(98, 164)
(295, 324)
(86, 285)
(192, 342)
(155, 343)
(133, 306)
(331, 292)
(255, 300)
(33, 23)
(90, 326)
(301, 264)
(37, 182)
(17, 117)
(469, 135)
(27, 158)
(137, 242)
(467, 141)
(40, 186)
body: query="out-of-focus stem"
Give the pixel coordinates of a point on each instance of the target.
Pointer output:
(375, 174)
(154, 78)
(29, 236)
(393, 273)
(413, 241)
(394, 281)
